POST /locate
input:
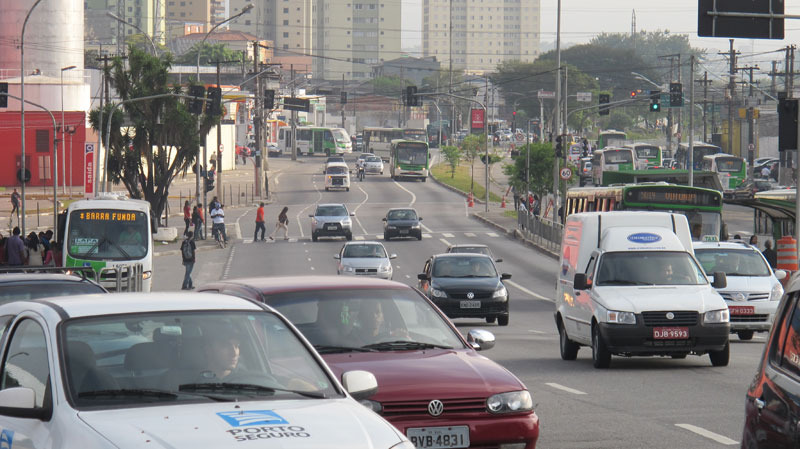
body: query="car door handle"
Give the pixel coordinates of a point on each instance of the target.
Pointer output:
(759, 403)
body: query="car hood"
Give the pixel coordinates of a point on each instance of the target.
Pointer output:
(754, 284)
(466, 283)
(309, 424)
(656, 298)
(424, 375)
(364, 262)
(402, 222)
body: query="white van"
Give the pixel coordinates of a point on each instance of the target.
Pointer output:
(337, 176)
(629, 285)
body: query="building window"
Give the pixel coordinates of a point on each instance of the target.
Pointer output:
(285, 46)
(247, 22)
(286, 10)
(42, 141)
(285, 34)
(44, 167)
(286, 23)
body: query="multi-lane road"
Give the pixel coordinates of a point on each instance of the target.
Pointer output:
(638, 403)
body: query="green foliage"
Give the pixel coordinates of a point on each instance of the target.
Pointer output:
(142, 42)
(390, 86)
(472, 146)
(541, 168)
(209, 52)
(159, 139)
(618, 119)
(452, 155)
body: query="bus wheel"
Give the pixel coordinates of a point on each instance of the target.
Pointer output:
(424, 179)
(327, 152)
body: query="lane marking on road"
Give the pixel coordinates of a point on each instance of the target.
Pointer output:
(447, 234)
(525, 290)
(425, 228)
(366, 198)
(492, 234)
(532, 331)
(466, 208)
(312, 268)
(563, 388)
(427, 236)
(297, 217)
(445, 242)
(228, 263)
(408, 277)
(721, 439)
(277, 178)
(358, 237)
(413, 197)
(469, 234)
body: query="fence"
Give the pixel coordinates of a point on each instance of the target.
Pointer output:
(544, 233)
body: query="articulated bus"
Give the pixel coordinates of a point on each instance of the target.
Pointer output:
(702, 207)
(316, 140)
(409, 159)
(610, 159)
(611, 138)
(731, 170)
(113, 235)
(646, 155)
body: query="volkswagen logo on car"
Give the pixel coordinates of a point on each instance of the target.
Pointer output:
(435, 407)
(470, 295)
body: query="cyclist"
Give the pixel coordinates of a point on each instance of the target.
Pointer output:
(218, 226)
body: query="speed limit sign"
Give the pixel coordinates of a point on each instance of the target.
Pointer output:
(566, 173)
(520, 137)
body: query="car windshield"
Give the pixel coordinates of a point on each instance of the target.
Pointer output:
(470, 249)
(402, 215)
(364, 250)
(366, 320)
(373, 159)
(463, 267)
(648, 268)
(733, 262)
(207, 356)
(331, 211)
(108, 234)
(336, 170)
(26, 291)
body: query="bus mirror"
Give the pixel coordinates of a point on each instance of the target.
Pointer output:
(579, 283)
(720, 280)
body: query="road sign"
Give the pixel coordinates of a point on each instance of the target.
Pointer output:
(546, 94)
(584, 97)
(295, 104)
(519, 137)
(566, 173)
(751, 19)
(88, 170)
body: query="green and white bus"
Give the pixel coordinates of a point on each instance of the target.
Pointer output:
(611, 138)
(646, 155)
(702, 207)
(731, 170)
(378, 141)
(611, 159)
(409, 159)
(321, 140)
(113, 235)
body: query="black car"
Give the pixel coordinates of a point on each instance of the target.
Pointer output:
(772, 409)
(402, 222)
(28, 283)
(466, 286)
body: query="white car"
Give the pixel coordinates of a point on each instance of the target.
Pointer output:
(754, 289)
(373, 164)
(365, 259)
(174, 370)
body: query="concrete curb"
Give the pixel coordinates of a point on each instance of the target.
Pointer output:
(517, 235)
(453, 189)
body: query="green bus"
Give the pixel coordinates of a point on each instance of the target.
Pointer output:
(611, 159)
(702, 207)
(646, 155)
(611, 138)
(323, 140)
(731, 170)
(409, 159)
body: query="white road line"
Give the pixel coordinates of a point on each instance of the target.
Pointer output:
(469, 234)
(708, 434)
(297, 217)
(228, 263)
(532, 331)
(408, 277)
(358, 237)
(378, 236)
(492, 234)
(277, 178)
(247, 241)
(413, 197)
(425, 228)
(366, 198)
(427, 236)
(447, 234)
(563, 388)
(466, 208)
(445, 241)
(525, 290)
(312, 268)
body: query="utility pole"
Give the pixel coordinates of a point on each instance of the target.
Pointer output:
(557, 115)
(680, 110)
(784, 172)
(294, 119)
(731, 93)
(773, 74)
(220, 192)
(104, 88)
(705, 82)
(258, 121)
(670, 116)
(342, 105)
(750, 123)
(691, 122)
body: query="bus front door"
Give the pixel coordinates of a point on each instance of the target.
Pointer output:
(318, 141)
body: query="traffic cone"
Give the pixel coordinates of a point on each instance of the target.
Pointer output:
(470, 200)
(503, 204)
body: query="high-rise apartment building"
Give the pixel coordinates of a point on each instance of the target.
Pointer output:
(287, 23)
(147, 15)
(484, 33)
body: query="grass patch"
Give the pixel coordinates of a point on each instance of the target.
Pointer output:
(510, 213)
(462, 180)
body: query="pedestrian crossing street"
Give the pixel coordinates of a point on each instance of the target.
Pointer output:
(362, 237)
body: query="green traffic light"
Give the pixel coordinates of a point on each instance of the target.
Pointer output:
(655, 107)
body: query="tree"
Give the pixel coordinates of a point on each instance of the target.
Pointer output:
(618, 120)
(470, 149)
(141, 42)
(541, 168)
(452, 155)
(209, 52)
(159, 139)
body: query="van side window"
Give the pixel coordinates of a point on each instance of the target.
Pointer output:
(590, 267)
(789, 345)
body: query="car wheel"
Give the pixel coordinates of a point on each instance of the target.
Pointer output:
(745, 335)
(419, 235)
(349, 236)
(326, 189)
(491, 319)
(721, 357)
(386, 236)
(502, 320)
(314, 237)
(424, 179)
(381, 173)
(569, 349)
(347, 189)
(601, 358)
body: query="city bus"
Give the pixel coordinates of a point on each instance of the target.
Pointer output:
(701, 150)
(731, 170)
(313, 140)
(702, 207)
(646, 155)
(611, 138)
(113, 235)
(610, 159)
(378, 141)
(409, 159)
(417, 134)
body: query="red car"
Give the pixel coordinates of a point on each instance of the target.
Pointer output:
(433, 384)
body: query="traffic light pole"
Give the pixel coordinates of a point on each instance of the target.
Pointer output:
(220, 192)
(257, 124)
(690, 156)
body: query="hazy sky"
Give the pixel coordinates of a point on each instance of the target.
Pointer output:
(583, 19)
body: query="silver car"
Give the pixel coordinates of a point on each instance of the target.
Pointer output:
(331, 220)
(365, 259)
(373, 164)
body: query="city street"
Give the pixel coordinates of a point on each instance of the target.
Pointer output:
(638, 402)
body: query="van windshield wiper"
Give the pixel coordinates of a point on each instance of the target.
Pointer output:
(401, 345)
(328, 349)
(141, 392)
(246, 388)
(623, 282)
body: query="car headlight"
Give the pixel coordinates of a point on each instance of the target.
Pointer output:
(404, 445)
(500, 292)
(349, 269)
(717, 316)
(513, 401)
(436, 293)
(347, 222)
(415, 226)
(777, 292)
(375, 406)
(614, 316)
(147, 274)
(384, 268)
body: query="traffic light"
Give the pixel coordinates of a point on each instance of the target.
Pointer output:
(344, 98)
(209, 181)
(787, 124)
(196, 103)
(636, 93)
(269, 99)
(214, 104)
(675, 95)
(559, 152)
(3, 98)
(604, 100)
(655, 98)
(514, 121)
(411, 96)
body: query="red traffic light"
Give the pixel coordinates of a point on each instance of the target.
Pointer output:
(633, 94)
(514, 113)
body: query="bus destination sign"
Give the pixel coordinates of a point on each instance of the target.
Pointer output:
(120, 216)
(675, 196)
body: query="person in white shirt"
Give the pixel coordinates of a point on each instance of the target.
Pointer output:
(765, 172)
(218, 222)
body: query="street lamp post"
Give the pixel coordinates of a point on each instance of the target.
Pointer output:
(63, 135)
(118, 19)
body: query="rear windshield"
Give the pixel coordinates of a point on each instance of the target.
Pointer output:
(42, 289)
(331, 211)
(733, 262)
(336, 170)
(470, 249)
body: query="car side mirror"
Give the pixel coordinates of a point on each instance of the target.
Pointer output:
(311, 215)
(360, 384)
(352, 214)
(19, 402)
(480, 340)
(337, 257)
(393, 256)
(580, 282)
(423, 277)
(505, 276)
(498, 260)
(720, 280)
(383, 219)
(420, 218)
(780, 275)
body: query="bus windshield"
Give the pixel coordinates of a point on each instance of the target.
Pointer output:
(415, 134)
(647, 152)
(340, 135)
(412, 153)
(729, 165)
(108, 234)
(618, 157)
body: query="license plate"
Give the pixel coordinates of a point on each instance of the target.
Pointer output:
(439, 437)
(742, 310)
(671, 333)
(470, 304)
(404, 231)
(331, 227)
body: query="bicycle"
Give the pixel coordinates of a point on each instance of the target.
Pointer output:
(218, 236)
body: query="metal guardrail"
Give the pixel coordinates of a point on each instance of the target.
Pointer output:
(544, 233)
